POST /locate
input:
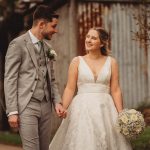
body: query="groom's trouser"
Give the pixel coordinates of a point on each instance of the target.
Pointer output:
(35, 125)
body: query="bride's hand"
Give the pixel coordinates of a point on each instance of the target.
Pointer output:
(61, 112)
(64, 114)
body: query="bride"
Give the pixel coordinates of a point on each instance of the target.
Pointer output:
(92, 113)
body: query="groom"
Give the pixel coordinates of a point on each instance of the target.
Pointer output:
(30, 85)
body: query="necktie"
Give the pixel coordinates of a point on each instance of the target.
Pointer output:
(40, 46)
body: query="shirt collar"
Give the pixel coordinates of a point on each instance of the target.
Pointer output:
(34, 39)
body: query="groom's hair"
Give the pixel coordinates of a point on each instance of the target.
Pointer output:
(44, 12)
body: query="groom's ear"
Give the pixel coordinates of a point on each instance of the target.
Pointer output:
(41, 23)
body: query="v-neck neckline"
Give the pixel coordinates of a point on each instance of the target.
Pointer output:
(99, 72)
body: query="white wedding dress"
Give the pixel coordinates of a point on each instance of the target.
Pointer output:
(91, 118)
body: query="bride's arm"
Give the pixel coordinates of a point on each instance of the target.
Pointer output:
(115, 87)
(71, 83)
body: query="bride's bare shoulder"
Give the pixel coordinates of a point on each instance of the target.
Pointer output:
(76, 60)
(114, 64)
(113, 60)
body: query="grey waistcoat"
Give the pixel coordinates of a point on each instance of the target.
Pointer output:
(41, 89)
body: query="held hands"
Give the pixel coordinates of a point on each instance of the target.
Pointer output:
(61, 112)
(13, 121)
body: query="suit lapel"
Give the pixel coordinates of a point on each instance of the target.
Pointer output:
(31, 49)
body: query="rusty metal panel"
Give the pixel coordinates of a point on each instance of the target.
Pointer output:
(118, 20)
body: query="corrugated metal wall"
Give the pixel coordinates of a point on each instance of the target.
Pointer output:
(117, 19)
(65, 44)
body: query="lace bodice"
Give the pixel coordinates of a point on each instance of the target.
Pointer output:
(86, 81)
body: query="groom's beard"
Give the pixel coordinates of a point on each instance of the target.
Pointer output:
(48, 35)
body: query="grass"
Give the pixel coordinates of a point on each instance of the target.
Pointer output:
(10, 138)
(143, 141)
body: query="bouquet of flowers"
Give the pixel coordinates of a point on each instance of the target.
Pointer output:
(130, 123)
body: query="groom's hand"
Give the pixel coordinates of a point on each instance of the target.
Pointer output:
(13, 121)
(61, 112)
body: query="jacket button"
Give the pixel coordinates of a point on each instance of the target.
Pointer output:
(31, 90)
(36, 79)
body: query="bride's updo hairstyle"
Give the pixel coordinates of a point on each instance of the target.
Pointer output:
(104, 38)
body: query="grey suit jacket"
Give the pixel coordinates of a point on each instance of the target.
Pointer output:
(21, 74)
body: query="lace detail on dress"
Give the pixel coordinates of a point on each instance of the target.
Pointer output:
(90, 123)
